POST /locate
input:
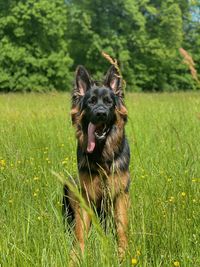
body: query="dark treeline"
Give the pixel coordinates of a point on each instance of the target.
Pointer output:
(42, 41)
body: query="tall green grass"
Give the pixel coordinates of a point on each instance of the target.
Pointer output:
(37, 140)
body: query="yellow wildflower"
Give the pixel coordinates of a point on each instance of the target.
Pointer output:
(3, 162)
(171, 199)
(176, 263)
(138, 252)
(183, 194)
(134, 261)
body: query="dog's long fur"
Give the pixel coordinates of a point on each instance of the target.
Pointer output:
(104, 169)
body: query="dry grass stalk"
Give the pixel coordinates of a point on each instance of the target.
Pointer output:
(114, 63)
(188, 60)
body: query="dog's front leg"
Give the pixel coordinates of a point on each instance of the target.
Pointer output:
(121, 219)
(82, 226)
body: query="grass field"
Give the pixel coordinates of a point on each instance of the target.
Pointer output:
(36, 138)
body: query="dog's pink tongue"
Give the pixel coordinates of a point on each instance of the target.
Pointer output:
(91, 138)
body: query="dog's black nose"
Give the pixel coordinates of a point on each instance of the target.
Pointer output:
(101, 115)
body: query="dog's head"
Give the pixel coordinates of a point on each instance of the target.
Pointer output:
(94, 106)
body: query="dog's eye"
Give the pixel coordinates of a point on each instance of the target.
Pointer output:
(107, 100)
(92, 100)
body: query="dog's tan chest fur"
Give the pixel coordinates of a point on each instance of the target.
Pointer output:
(98, 185)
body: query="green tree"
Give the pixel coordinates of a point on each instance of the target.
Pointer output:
(39, 39)
(192, 34)
(144, 35)
(105, 26)
(33, 50)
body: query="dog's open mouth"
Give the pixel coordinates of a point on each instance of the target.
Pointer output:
(95, 132)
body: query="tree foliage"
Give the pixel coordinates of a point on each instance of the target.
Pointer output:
(42, 42)
(33, 50)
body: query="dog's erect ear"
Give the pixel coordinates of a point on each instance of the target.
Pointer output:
(113, 80)
(83, 81)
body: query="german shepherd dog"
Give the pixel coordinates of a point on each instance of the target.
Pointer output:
(99, 116)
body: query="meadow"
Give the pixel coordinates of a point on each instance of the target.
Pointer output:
(37, 140)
